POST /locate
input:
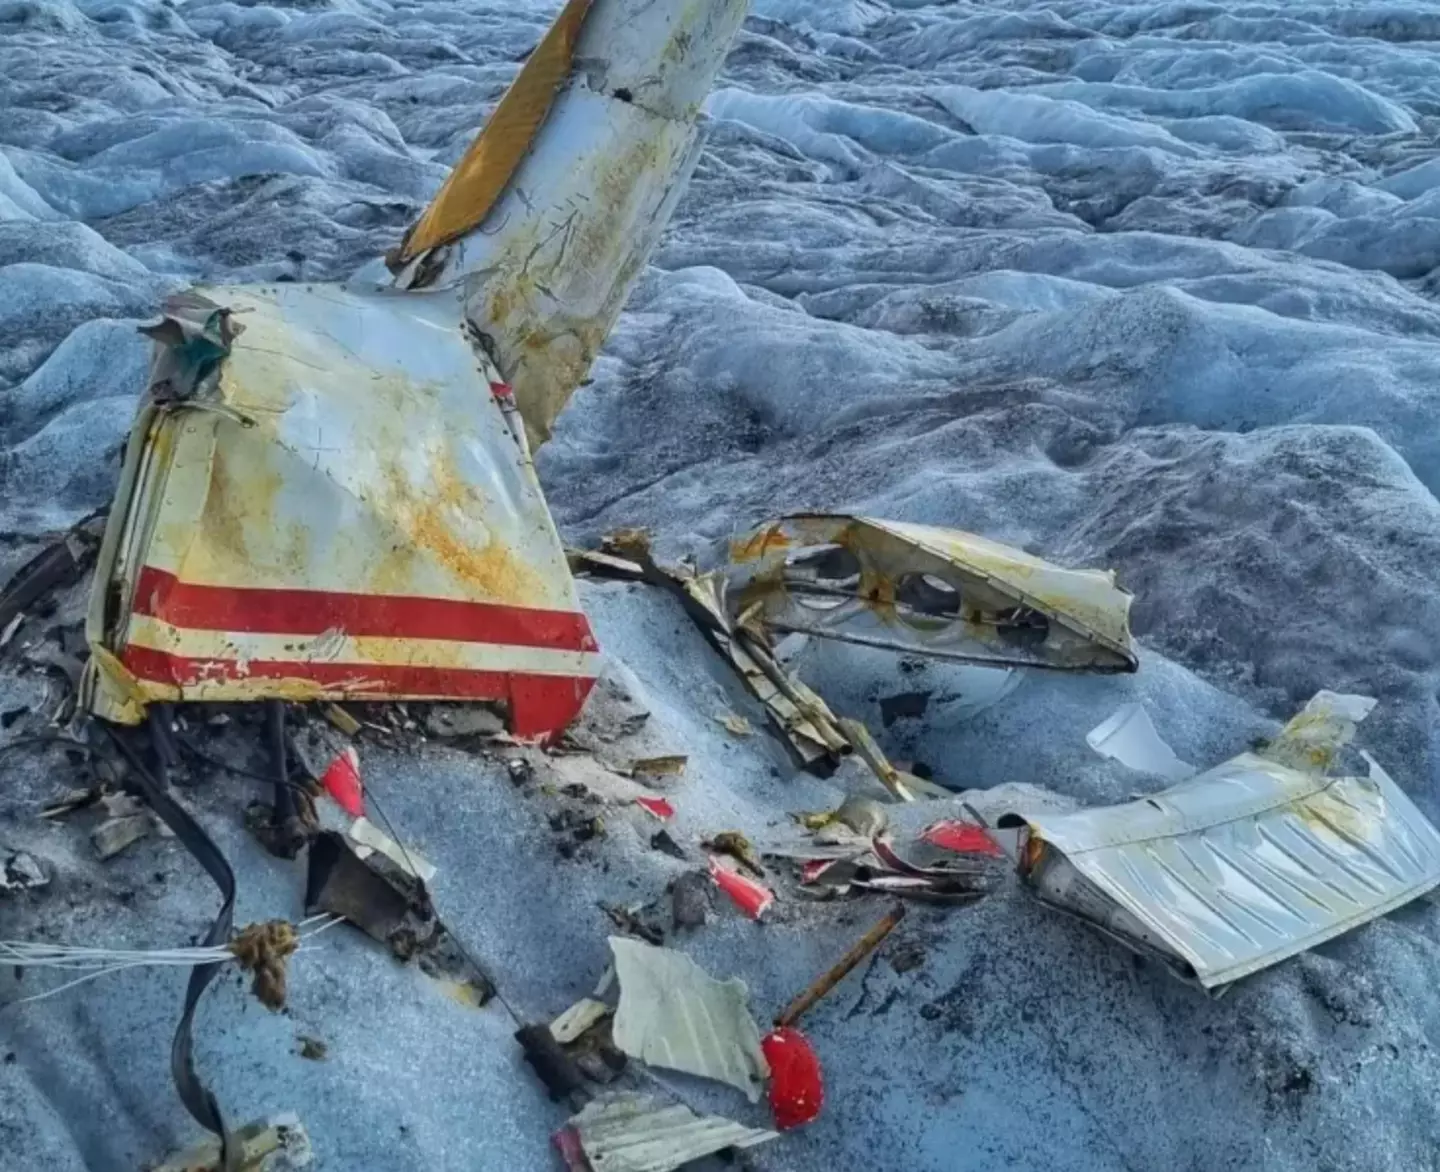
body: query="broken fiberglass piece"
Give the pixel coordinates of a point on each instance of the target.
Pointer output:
(629, 1132)
(1129, 737)
(1246, 864)
(674, 1014)
(339, 509)
(929, 591)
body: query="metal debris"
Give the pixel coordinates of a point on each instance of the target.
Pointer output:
(637, 1133)
(430, 566)
(390, 905)
(1246, 864)
(277, 1143)
(60, 564)
(549, 218)
(20, 871)
(673, 1014)
(923, 590)
(580, 1017)
(735, 724)
(115, 834)
(367, 838)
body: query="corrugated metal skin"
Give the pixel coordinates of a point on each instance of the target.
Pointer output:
(635, 1133)
(347, 515)
(1252, 862)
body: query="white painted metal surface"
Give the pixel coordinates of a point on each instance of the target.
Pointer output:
(545, 274)
(344, 511)
(1255, 860)
(674, 1014)
(637, 1133)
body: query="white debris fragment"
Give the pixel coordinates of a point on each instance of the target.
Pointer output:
(1130, 738)
(577, 1019)
(368, 839)
(636, 1133)
(674, 1014)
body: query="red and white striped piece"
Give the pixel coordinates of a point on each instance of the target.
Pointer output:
(230, 643)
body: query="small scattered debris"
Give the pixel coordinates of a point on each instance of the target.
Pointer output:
(580, 1017)
(263, 950)
(341, 780)
(628, 921)
(341, 719)
(520, 770)
(674, 1014)
(603, 565)
(864, 816)
(735, 723)
(737, 846)
(115, 834)
(651, 767)
(70, 801)
(462, 720)
(313, 1049)
(663, 842)
(752, 898)
(963, 838)
(660, 807)
(630, 1132)
(555, 1069)
(689, 900)
(21, 871)
(390, 905)
(55, 566)
(907, 956)
(275, 1144)
(366, 838)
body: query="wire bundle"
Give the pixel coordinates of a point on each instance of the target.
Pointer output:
(100, 962)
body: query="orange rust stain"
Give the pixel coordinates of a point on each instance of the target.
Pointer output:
(428, 519)
(758, 545)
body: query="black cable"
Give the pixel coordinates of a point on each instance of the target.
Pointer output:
(204, 1108)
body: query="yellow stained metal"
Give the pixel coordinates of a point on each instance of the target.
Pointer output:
(473, 187)
(1089, 612)
(348, 450)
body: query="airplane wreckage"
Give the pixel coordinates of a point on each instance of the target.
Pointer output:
(328, 498)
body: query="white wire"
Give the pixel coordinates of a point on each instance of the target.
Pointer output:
(101, 962)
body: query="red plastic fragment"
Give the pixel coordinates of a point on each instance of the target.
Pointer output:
(342, 782)
(797, 1090)
(660, 807)
(962, 837)
(750, 897)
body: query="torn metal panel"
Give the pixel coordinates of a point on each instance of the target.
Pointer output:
(1245, 864)
(341, 511)
(547, 265)
(1129, 737)
(636, 1133)
(471, 189)
(929, 591)
(674, 1014)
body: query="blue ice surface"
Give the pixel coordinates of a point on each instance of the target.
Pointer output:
(1145, 286)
